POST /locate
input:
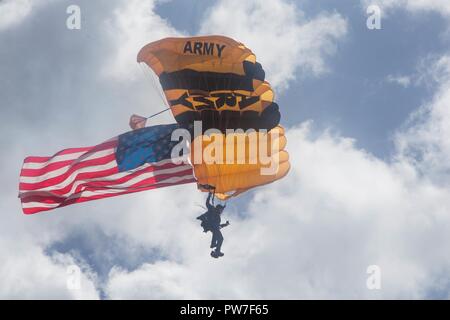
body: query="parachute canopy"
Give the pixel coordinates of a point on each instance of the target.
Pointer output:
(217, 80)
(241, 161)
(213, 79)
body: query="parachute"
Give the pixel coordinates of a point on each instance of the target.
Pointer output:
(212, 79)
(217, 80)
(242, 165)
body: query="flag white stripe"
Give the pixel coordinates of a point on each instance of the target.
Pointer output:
(134, 180)
(63, 157)
(29, 205)
(111, 177)
(88, 194)
(62, 170)
(72, 177)
(148, 175)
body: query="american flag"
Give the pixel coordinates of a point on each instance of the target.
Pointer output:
(134, 161)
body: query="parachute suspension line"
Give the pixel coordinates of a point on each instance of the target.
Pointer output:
(213, 117)
(221, 124)
(216, 124)
(240, 111)
(159, 112)
(227, 82)
(151, 78)
(229, 86)
(199, 205)
(153, 82)
(144, 119)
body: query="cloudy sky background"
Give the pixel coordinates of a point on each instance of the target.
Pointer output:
(368, 118)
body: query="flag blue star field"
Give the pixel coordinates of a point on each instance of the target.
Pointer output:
(134, 161)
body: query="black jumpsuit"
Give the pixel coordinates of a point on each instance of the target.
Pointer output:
(214, 220)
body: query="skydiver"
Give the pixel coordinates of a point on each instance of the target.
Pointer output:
(211, 222)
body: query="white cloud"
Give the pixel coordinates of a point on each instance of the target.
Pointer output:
(28, 273)
(439, 6)
(284, 40)
(158, 281)
(284, 43)
(13, 12)
(426, 142)
(311, 235)
(133, 25)
(403, 81)
(433, 71)
(314, 233)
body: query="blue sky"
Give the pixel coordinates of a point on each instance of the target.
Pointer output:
(367, 116)
(354, 98)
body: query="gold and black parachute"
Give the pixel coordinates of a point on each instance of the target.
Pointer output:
(241, 171)
(213, 79)
(217, 80)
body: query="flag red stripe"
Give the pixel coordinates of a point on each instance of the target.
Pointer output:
(50, 197)
(102, 146)
(73, 169)
(102, 174)
(156, 177)
(161, 177)
(51, 167)
(84, 199)
(140, 184)
(79, 177)
(77, 164)
(63, 152)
